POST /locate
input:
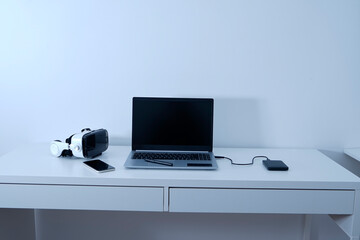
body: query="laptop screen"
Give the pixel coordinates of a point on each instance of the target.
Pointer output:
(172, 124)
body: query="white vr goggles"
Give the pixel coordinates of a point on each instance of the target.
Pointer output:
(87, 144)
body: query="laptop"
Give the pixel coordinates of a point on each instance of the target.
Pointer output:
(172, 133)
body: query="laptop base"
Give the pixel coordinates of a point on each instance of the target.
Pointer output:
(170, 164)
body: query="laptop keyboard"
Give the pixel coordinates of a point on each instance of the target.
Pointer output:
(172, 156)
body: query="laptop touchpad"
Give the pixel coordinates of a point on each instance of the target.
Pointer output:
(199, 165)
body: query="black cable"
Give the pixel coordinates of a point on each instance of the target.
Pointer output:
(242, 164)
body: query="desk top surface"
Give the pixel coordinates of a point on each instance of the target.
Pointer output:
(308, 169)
(353, 152)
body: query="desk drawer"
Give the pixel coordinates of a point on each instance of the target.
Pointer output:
(81, 197)
(261, 201)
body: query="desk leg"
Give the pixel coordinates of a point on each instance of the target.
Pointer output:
(166, 199)
(307, 227)
(350, 224)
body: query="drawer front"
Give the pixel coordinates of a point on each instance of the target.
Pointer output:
(81, 197)
(261, 201)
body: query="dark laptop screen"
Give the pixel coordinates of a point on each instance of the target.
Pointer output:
(172, 124)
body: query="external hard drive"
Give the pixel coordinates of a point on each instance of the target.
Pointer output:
(275, 165)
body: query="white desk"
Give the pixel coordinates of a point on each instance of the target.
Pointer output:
(31, 178)
(353, 152)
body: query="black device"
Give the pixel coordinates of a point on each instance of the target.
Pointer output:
(99, 165)
(275, 165)
(172, 124)
(95, 142)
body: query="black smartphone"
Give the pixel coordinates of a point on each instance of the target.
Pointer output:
(99, 165)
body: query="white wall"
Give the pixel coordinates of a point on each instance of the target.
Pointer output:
(17, 224)
(283, 73)
(71, 225)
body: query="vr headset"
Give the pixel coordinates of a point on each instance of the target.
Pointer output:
(87, 144)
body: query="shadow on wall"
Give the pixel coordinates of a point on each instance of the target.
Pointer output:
(344, 160)
(237, 123)
(324, 228)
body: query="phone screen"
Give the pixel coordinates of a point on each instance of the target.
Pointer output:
(99, 165)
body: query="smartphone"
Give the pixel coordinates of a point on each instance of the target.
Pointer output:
(99, 165)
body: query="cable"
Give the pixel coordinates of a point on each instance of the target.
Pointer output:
(242, 164)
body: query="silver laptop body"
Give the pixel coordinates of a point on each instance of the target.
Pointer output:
(172, 133)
